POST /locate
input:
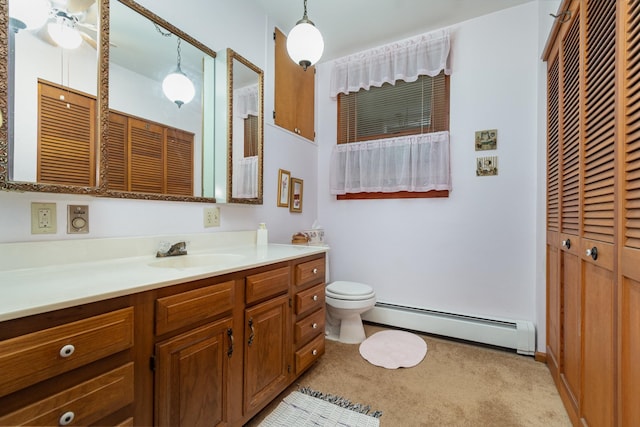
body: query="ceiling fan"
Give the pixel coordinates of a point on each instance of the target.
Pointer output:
(64, 23)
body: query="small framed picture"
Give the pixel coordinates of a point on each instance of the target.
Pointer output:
(487, 140)
(296, 195)
(487, 166)
(283, 188)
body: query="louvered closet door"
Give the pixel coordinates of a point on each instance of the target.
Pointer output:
(598, 215)
(146, 156)
(629, 310)
(117, 151)
(179, 173)
(553, 218)
(66, 136)
(569, 176)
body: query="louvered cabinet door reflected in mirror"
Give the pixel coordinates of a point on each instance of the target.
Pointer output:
(66, 136)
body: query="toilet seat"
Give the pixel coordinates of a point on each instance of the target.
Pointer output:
(349, 291)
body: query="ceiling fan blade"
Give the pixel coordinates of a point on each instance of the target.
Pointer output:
(78, 6)
(90, 40)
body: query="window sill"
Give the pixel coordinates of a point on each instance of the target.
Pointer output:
(397, 195)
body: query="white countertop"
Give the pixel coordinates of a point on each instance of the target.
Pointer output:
(34, 290)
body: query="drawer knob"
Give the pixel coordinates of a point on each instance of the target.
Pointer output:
(314, 271)
(315, 297)
(67, 351)
(66, 418)
(314, 326)
(314, 352)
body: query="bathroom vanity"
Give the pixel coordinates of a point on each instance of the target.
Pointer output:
(207, 338)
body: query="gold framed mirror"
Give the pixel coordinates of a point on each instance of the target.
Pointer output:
(158, 148)
(245, 134)
(92, 163)
(31, 157)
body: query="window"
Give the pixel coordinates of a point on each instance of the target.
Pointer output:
(404, 108)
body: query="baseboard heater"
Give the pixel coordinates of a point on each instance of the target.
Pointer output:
(515, 334)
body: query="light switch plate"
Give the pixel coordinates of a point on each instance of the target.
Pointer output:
(43, 218)
(77, 219)
(212, 217)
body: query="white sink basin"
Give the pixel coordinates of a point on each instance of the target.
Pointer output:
(195, 261)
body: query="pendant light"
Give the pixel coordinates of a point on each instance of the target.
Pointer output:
(177, 86)
(304, 42)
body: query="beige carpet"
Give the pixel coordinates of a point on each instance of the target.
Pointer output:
(456, 384)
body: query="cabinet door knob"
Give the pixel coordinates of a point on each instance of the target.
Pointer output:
(566, 243)
(253, 332)
(230, 335)
(314, 271)
(314, 352)
(66, 418)
(67, 350)
(593, 253)
(314, 326)
(315, 297)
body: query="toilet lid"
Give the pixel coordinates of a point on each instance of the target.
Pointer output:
(342, 289)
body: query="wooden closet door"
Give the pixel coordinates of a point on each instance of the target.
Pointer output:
(598, 214)
(554, 295)
(146, 156)
(570, 207)
(629, 310)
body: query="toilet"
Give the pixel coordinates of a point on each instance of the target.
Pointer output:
(345, 302)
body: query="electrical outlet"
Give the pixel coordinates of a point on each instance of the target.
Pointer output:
(212, 217)
(77, 219)
(43, 218)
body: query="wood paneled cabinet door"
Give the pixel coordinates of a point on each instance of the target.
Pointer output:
(191, 377)
(267, 351)
(294, 97)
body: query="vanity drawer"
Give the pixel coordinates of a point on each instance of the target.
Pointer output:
(31, 358)
(309, 327)
(176, 311)
(309, 354)
(83, 404)
(310, 272)
(268, 284)
(310, 299)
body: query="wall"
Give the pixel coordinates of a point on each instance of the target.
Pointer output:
(218, 26)
(476, 251)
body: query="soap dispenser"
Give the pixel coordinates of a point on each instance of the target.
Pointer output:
(262, 235)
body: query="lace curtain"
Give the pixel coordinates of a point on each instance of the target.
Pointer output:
(245, 101)
(410, 163)
(427, 54)
(245, 178)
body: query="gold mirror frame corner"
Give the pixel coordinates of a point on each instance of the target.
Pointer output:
(231, 55)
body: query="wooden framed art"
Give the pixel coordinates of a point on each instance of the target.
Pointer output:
(295, 204)
(283, 188)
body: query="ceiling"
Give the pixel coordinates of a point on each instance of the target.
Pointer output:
(349, 26)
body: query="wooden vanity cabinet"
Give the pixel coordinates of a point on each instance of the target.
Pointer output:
(72, 367)
(213, 351)
(267, 334)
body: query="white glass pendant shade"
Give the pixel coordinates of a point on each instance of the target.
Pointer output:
(305, 44)
(178, 88)
(64, 34)
(31, 13)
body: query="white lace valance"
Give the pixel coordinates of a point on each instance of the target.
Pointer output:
(409, 163)
(427, 54)
(246, 101)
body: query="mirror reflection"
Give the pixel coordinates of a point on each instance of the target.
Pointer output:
(53, 92)
(161, 85)
(245, 134)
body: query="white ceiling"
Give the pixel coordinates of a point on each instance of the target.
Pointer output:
(349, 26)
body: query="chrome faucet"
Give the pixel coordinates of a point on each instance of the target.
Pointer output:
(176, 249)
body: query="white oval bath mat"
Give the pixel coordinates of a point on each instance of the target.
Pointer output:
(394, 349)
